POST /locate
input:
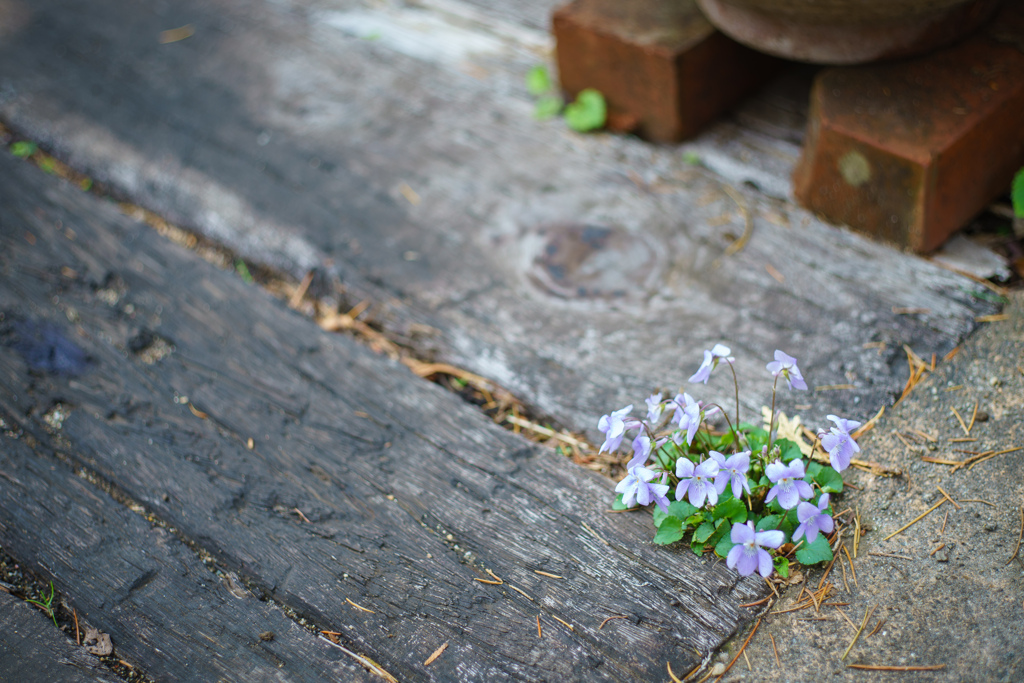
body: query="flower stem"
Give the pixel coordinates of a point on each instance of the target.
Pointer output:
(734, 430)
(707, 433)
(771, 419)
(736, 384)
(658, 455)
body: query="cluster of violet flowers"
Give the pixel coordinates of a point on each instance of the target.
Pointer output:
(745, 492)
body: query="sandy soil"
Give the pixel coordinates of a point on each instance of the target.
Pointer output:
(942, 593)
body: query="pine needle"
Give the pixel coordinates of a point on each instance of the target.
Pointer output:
(955, 504)
(915, 520)
(867, 615)
(868, 426)
(852, 570)
(742, 648)
(963, 425)
(874, 667)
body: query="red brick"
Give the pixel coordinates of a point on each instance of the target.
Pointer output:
(660, 65)
(909, 151)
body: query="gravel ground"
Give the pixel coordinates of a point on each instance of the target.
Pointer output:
(942, 593)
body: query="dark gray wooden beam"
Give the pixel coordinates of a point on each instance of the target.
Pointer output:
(165, 612)
(410, 494)
(579, 272)
(33, 651)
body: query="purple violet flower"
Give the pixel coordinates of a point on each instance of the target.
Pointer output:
(637, 487)
(732, 470)
(614, 428)
(838, 442)
(749, 553)
(711, 358)
(785, 365)
(641, 451)
(697, 481)
(654, 408)
(812, 520)
(789, 482)
(687, 415)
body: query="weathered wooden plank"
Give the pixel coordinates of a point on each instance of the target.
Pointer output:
(33, 651)
(164, 610)
(410, 494)
(281, 131)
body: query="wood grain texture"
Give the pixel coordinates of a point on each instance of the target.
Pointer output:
(410, 495)
(164, 610)
(33, 651)
(283, 132)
